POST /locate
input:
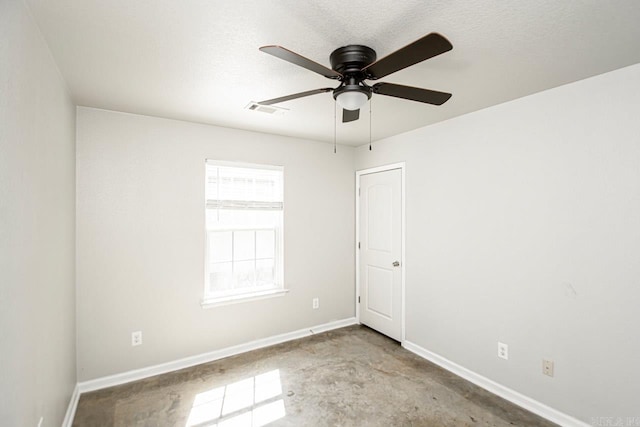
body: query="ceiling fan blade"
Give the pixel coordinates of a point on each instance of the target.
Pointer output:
(295, 96)
(301, 61)
(413, 93)
(427, 47)
(350, 115)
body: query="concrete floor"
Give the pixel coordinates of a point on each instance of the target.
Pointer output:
(348, 377)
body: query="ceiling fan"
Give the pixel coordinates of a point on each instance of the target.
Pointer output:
(353, 64)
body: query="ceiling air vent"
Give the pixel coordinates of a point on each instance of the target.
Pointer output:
(268, 109)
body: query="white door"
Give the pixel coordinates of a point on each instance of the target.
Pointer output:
(380, 252)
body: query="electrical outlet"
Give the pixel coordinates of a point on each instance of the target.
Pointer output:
(136, 338)
(503, 351)
(40, 422)
(316, 303)
(547, 367)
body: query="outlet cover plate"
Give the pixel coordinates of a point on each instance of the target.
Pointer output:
(503, 351)
(136, 338)
(547, 367)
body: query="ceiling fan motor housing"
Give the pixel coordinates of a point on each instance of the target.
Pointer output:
(352, 58)
(349, 61)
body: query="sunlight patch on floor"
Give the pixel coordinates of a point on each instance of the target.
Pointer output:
(252, 402)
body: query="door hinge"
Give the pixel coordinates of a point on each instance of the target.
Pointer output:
(358, 245)
(358, 299)
(358, 192)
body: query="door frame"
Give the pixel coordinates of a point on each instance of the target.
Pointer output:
(359, 173)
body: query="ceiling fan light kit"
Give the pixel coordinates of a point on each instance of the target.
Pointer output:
(351, 99)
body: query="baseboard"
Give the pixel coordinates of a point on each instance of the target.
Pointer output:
(163, 368)
(506, 393)
(71, 409)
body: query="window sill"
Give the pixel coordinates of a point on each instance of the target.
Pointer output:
(235, 299)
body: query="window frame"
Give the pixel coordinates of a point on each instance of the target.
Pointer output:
(211, 300)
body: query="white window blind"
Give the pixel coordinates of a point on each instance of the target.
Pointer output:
(244, 214)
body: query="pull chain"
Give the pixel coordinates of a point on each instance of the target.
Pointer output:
(334, 128)
(370, 101)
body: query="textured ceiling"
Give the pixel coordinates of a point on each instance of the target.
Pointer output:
(198, 60)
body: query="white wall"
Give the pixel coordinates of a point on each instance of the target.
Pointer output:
(141, 239)
(523, 225)
(37, 232)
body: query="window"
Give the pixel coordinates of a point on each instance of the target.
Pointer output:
(244, 219)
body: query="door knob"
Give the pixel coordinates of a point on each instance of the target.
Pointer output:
(396, 263)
